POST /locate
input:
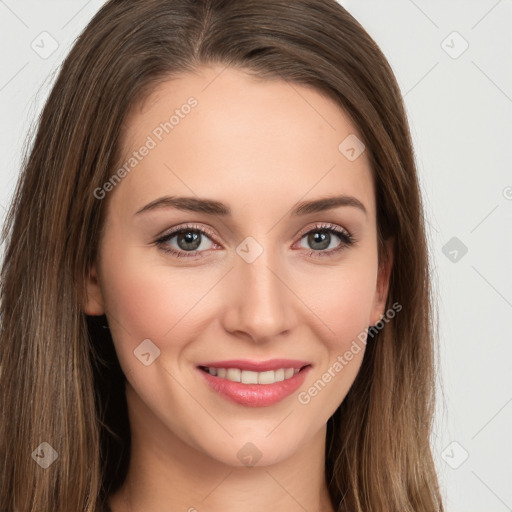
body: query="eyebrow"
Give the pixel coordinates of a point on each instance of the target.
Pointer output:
(212, 207)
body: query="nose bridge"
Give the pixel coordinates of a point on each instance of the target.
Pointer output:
(260, 304)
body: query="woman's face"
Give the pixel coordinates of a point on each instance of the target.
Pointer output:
(256, 279)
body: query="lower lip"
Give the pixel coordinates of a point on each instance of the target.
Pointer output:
(255, 395)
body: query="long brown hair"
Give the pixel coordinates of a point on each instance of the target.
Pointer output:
(60, 381)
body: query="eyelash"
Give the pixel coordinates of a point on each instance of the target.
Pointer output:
(346, 238)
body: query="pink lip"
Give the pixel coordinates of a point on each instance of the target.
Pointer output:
(254, 395)
(257, 366)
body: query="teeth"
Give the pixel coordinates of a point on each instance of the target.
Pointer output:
(250, 377)
(288, 373)
(267, 377)
(233, 374)
(279, 375)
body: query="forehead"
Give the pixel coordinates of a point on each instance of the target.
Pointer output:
(221, 133)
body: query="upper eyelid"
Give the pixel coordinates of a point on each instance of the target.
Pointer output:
(326, 226)
(175, 231)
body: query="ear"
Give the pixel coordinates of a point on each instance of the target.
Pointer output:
(384, 273)
(94, 305)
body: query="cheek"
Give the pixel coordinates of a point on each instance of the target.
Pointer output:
(343, 300)
(146, 299)
(343, 304)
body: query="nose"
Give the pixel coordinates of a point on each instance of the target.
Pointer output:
(259, 303)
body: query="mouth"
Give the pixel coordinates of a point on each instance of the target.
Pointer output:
(254, 384)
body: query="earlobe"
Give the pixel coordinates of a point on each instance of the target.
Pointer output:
(94, 305)
(383, 278)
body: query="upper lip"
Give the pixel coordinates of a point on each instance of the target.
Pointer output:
(257, 366)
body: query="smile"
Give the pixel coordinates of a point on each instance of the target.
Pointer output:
(241, 382)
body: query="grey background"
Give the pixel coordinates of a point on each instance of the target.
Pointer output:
(460, 109)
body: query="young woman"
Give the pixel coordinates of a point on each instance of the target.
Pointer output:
(215, 292)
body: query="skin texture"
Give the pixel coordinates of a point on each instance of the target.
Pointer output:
(259, 147)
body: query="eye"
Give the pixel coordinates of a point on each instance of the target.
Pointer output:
(190, 240)
(324, 237)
